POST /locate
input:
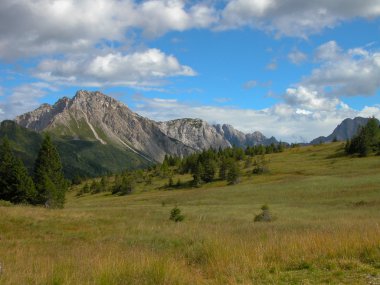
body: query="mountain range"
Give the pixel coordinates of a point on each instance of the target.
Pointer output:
(345, 130)
(96, 134)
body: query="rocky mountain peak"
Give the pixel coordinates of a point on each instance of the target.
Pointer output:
(196, 133)
(93, 116)
(345, 130)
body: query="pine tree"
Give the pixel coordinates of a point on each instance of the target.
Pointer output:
(367, 140)
(197, 175)
(25, 183)
(223, 169)
(209, 170)
(16, 185)
(233, 173)
(50, 183)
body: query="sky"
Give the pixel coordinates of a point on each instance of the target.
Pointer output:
(292, 69)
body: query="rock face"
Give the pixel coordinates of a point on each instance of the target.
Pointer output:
(345, 130)
(95, 116)
(239, 139)
(195, 133)
(199, 135)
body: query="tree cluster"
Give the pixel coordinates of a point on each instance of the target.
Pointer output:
(223, 164)
(367, 140)
(48, 185)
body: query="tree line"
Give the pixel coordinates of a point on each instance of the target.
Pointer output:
(366, 141)
(46, 186)
(206, 166)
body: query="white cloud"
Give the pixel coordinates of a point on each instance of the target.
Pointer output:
(295, 17)
(272, 65)
(355, 72)
(157, 17)
(138, 69)
(328, 51)
(309, 99)
(29, 28)
(43, 27)
(22, 99)
(250, 84)
(297, 57)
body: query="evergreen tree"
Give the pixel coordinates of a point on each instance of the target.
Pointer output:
(233, 173)
(209, 170)
(223, 169)
(16, 185)
(95, 187)
(50, 183)
(124, 186)
(197, 175)
(25, 183)
(367, 140)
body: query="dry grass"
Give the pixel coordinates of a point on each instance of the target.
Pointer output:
(327, 231)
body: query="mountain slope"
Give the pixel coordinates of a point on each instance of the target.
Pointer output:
(345, 130)
(93, 116)
(79, 157)
(239, 139)
(195, 133)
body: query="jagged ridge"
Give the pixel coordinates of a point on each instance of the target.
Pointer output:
(93, 116)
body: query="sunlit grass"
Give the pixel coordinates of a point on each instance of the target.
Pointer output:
(326, 230)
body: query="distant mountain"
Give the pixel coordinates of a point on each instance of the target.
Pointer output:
(79, 157)
(96, 134)
(95, 117)
(194, 133)
(239, 139)
(345, 130)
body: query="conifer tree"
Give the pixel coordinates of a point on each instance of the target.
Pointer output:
(367, 140)
(209, 170)
(50, 183)
(16, 185)
(233, 173)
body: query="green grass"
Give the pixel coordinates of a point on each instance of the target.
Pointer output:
(326, 230)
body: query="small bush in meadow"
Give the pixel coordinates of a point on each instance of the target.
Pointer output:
(175, 215)
(264, 216)
(4, 203)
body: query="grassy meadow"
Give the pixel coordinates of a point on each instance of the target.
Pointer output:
(326, 230)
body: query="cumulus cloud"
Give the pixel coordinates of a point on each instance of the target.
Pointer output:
(297, 57)
(339, 74)
(32, 28)
(138, 69)
(29, 28)
(355, 72)
(309, 99)
(295, 17)
(23, 98)
(283, 121)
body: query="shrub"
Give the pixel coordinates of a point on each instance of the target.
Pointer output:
(175, 215)
(264, 216)
(4, 203)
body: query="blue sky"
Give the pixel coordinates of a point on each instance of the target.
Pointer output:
(290, 69)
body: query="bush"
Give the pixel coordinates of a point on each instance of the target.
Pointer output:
(264, 216)
(260, 165)
(4, 203)
(175, 215)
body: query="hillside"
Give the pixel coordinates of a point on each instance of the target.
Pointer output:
(326, 208)
(344, 131)
(79, 157)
